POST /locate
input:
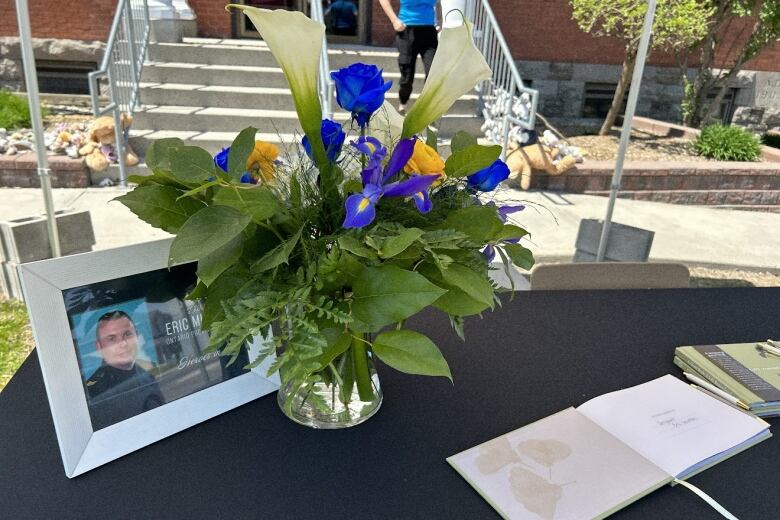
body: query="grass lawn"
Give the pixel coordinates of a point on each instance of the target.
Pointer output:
(15, 338)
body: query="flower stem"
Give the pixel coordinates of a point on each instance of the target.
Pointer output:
(362, 375)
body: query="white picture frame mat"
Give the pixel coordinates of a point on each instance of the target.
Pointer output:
(81, 448)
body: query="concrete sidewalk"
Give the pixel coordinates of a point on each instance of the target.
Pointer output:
(694, 235)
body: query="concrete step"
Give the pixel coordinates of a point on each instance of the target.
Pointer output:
(272, 98)
(220, 119)
(238, 75)
(750, 207)
(257, 54)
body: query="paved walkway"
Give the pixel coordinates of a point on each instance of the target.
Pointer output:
(690, 234)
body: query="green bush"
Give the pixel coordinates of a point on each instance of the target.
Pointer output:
(772, 140)
(727, 143)
(14, 111)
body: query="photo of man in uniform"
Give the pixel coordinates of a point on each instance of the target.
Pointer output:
(119, 388)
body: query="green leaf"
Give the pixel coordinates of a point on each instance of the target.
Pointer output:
(395, 245)
(206, 231)
(160, 206)
(389, 294)
(356, 247)
(192, 164)
(157, 155)
(462, 140)
(202, 187)
(475, 285)
(339, 347)
(480, 223)
(511, 231)
(225, 287)
(214, 264)
(240, 150)
(431, 138)
(411, 352)
(520, 256)
(458, 300)
(278, 255)
(353, 186)
(257, 202)
(471, 159)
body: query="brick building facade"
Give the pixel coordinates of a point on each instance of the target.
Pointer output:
(572, 70)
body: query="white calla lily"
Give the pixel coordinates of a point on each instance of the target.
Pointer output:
(295, 40)
(457, 67)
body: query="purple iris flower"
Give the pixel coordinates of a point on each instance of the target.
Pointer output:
(360, 89)
(221, 159)
(503, 214)
(360, 206)
(332, 138)
(488, 178)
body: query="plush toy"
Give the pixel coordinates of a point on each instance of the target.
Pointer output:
(99, 150)
(522, 160)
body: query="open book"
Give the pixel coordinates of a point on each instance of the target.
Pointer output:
(591, 461)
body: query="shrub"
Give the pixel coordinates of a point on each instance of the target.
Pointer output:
(14, 111)
(727, 143)
(772, 140)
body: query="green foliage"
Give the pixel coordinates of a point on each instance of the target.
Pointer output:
(678, 23)
(16, 340)
(15, 111)
(274, 257)
(727, 143)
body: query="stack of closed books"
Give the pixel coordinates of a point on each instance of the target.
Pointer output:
(744, 374)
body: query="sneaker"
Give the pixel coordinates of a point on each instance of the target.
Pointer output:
(401, 108)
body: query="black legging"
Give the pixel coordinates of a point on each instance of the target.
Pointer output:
(414, 40)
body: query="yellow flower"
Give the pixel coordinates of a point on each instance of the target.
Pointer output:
(260, 162)
(426, 161)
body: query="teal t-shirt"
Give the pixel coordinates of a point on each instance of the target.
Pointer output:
(418, 12)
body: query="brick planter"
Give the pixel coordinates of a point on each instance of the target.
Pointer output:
(748, 185)
(21, 171)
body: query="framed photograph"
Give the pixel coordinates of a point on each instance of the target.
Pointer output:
(122, 353)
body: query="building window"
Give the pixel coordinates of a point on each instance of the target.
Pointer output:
(64, 77)
(598, 99)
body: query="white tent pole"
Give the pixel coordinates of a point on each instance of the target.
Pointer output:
(628, 118)
(31, 80)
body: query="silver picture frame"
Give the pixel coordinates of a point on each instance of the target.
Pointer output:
(81, 447)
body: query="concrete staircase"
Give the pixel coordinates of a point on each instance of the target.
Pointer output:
(205, 91)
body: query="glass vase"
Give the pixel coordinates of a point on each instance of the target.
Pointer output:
(346, 393)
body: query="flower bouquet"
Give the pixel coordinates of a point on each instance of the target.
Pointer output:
(330, 250)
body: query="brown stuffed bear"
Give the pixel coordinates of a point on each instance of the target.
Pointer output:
(99, 150)
(523, 160)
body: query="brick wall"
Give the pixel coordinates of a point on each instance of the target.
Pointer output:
(81, 20)
(213, 20)
(542, 30)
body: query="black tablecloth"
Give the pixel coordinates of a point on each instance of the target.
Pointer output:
(540, 353)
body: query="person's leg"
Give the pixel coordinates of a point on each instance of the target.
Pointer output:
(406, 62)
(428, 42)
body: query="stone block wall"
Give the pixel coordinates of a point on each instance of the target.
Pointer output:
(21, 171)
(50, 49)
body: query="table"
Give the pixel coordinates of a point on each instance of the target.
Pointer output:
(538, 354)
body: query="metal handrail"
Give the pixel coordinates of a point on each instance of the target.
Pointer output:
(122, 65)
(325, 84)
(504, 99)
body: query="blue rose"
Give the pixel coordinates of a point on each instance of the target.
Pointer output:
(332, 138)
(221, 159)
(360, 89)
(488, 178)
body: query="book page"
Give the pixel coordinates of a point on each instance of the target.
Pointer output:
(671, 424)
(562, 467)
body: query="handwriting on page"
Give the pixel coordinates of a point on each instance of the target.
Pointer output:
(674, 422)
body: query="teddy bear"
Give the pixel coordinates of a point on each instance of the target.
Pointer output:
(99, 150)
(522, 160)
